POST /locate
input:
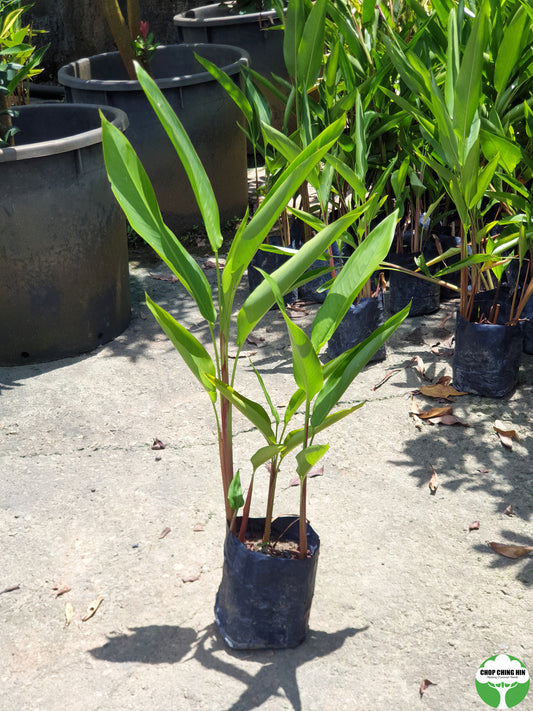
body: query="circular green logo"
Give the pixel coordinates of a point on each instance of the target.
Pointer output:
(502, 681)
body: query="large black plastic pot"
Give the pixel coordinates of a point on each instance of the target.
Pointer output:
(207, 112)
(264, 602)
(64, 284)
(404, 288)
(360, 321)
(251, 31)
(487, 356)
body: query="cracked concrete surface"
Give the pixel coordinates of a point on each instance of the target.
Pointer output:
(404, 591)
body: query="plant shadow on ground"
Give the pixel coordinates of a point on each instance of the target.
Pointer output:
(167, 644)
(474, 459)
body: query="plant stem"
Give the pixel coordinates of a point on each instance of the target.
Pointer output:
(225, 434)
(5, 118)
(121, 35)
(134, 18)
(270, 499)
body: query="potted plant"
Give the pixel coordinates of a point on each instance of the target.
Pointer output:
(64, 284)
(107, 79)
(470, 150)
(317, 388)
(19, 62)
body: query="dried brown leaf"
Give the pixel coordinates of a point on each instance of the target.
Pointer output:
(509, 511)
(158, 444)
(256, 340)
(242, 354)
(506, 433)
(295, 481)
(443, 322)
(506, 441)
(424, 685)
(440, 390)
(91, 609)
(435, 412)
(442, 351)
(510, 550)
(192, 578)
(419, 366)
(164, 533)
(474, 526)
(316, 471)
(444, 380)
(171, 278)
(61, 588)
(211, 263)
(386, 377)
(448, 420)
(433, 482)
(198, 527)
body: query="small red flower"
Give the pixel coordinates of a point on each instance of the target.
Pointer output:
(144, 29)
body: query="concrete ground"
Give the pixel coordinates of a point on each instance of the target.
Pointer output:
(405, 590)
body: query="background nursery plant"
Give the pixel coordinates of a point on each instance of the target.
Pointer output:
(318, 388)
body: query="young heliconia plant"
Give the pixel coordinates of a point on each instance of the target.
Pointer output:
(318, 388)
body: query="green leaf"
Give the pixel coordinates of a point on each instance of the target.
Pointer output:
(265, 454)
(311, 47)
(235, 497)
(351, 279)
(308, 457)
(509, 152)
(135, 194)
(294, 25)
(509, 49)
(296, 401)
(468, 87)
(245, 245)
(342, 370)
(200, 183)
(253, 411)
(262, 298)
(297, 437)
(191, 350)
(305, 363)
(238, 96)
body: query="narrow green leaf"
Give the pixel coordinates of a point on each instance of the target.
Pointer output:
(265, 454)
(348, 365)
(191, 350)
(247, 243)
(235, 497)
(351, 279)
(311, 47)
(135, 194)
(305, 363)
(308, 457)
(297, 437)
(468, 87)
(509, 49)
(262, 298)
(200, 183)
(253, 411)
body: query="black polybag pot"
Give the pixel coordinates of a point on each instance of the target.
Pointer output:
(487, 356)
(404, 288)
(264, 602)
(310, 291)
(527, 326)
(359, 322)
